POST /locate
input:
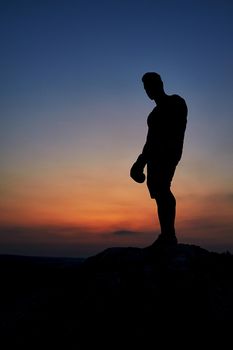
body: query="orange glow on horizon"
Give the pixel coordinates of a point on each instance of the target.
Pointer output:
(89, 208)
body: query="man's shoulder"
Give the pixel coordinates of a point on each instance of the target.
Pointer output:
(178, 103)
(177, 99)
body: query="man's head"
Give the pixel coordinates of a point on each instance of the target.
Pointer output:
(153, 85)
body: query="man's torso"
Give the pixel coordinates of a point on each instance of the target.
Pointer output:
(166, 128)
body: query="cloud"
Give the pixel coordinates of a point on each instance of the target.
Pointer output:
(50, 241)
(41, 234)
(125, 233)
(219, 197)
(212, 228)
(229, 197)
(72, 241)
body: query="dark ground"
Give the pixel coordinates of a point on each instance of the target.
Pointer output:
(122, 294)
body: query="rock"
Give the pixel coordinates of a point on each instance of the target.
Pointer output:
(123, 293)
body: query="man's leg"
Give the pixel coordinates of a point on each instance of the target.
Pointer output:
(166, 205)
(159, 178)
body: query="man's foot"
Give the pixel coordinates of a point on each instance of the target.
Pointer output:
(165, 240)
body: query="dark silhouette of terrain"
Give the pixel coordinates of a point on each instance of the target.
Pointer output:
(125, 294)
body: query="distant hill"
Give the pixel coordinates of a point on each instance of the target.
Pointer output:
(122, 293)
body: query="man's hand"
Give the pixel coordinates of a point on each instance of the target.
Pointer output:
(136, 172)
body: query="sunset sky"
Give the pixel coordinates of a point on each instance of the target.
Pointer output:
(73, 120)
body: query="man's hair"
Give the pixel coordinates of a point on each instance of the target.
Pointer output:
(152, 78)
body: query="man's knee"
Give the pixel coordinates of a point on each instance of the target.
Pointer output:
(162, 195)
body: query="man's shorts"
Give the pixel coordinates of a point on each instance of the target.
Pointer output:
(159, 177)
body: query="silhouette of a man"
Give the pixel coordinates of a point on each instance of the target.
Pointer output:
(162, 152)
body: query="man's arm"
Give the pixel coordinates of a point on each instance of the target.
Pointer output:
(136, 172)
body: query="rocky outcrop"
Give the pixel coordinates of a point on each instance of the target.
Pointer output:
(126, 294)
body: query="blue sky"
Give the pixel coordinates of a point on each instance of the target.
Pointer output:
(73, 106)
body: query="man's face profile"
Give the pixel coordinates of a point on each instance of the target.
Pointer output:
(151, 90)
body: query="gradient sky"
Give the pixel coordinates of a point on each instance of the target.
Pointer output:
(73, 120)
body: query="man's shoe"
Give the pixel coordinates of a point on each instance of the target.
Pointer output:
(165, 240)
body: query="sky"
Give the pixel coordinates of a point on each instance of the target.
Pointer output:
(73, 121)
